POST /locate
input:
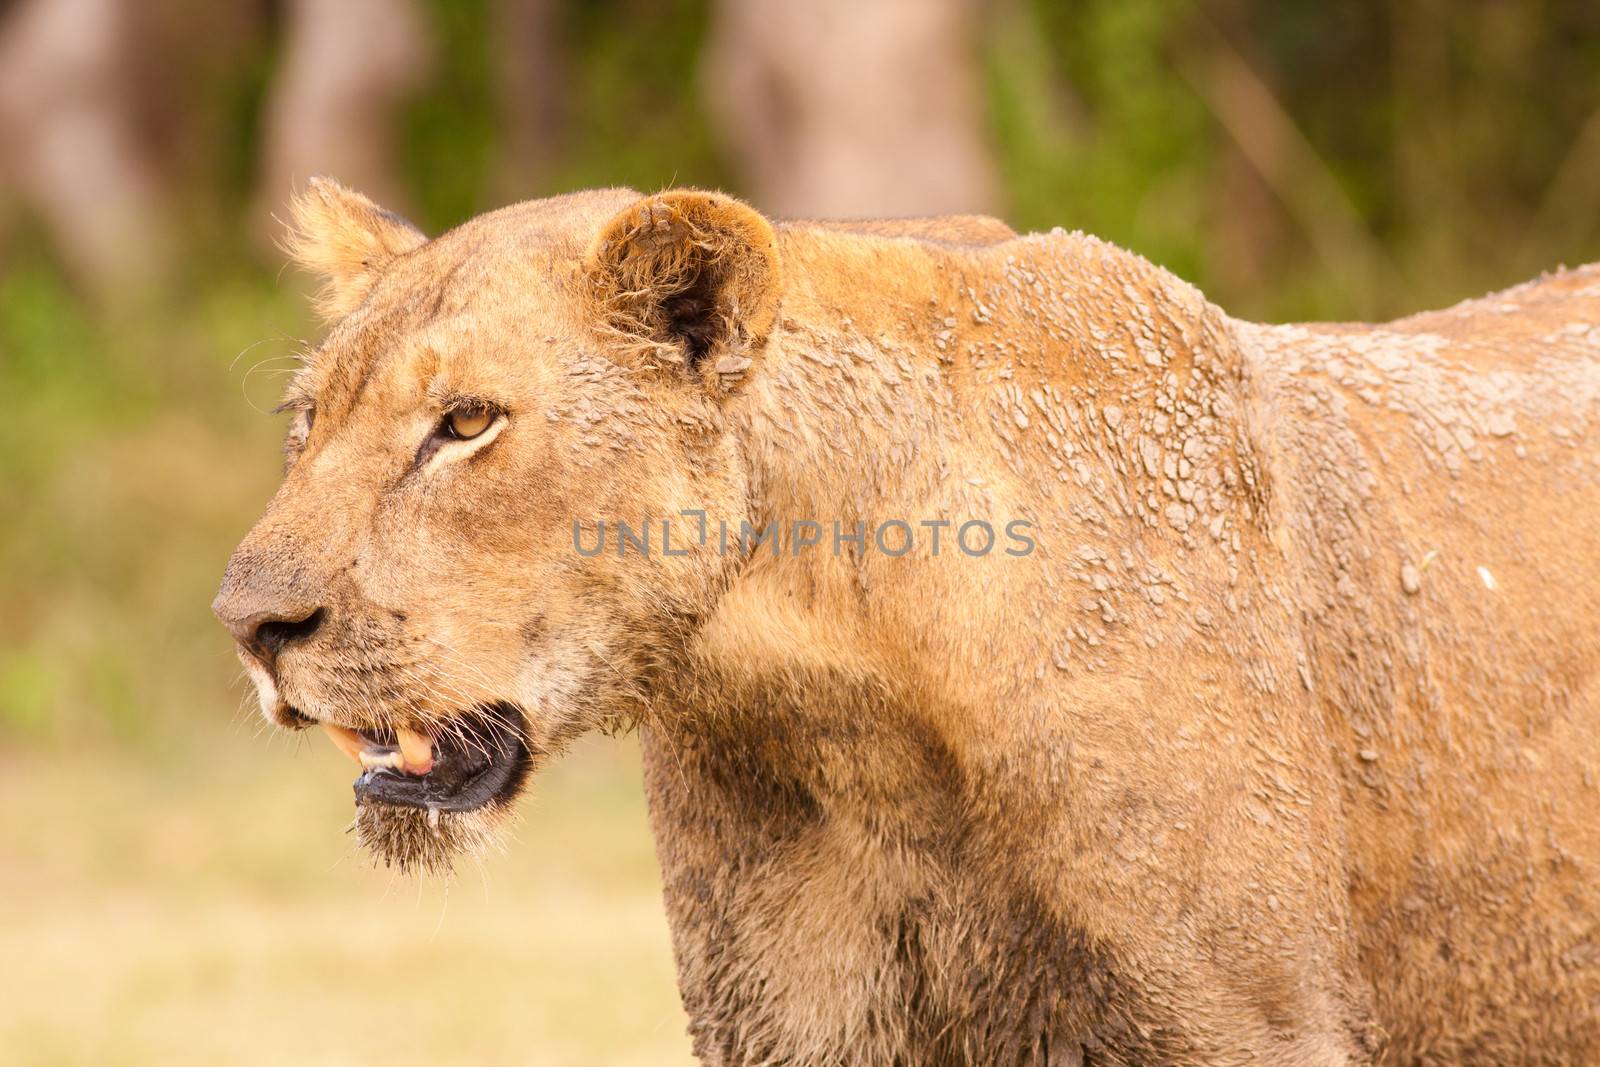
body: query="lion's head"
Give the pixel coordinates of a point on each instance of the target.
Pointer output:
(424, 584)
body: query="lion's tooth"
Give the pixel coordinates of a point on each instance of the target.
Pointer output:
(374, 758)
(349, 741)
(417, 749)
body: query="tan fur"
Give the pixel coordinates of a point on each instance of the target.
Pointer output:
(949, 229)
(1281, 746)
(675, 247)
(348, 240)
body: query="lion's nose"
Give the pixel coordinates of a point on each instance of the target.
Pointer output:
(265, 634)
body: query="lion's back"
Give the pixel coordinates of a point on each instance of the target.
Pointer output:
(1450, 463)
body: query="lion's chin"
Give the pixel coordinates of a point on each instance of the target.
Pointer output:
(424, 798)
(420, 841)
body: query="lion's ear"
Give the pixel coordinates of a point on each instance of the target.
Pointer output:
(688, 279)
(348, 240)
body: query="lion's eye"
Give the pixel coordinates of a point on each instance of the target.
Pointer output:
(463, 424)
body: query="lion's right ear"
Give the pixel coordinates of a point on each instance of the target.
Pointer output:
(348, 240)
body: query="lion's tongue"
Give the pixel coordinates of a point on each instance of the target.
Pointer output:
(415, 755)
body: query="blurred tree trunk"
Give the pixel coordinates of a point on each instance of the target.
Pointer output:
(1248, 229)
(71, 143)
(1265, 133)
(841, 109)
(530, 69)
(1426, 162)
(348, 67)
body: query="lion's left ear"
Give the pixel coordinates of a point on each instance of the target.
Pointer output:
(688, 279)
(348, 240)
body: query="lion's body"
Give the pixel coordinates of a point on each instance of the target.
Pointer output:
(1281, 745)
(1199, 779)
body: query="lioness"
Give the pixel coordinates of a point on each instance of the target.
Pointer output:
(1263, 726)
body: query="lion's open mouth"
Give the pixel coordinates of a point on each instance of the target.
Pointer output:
(481, 759)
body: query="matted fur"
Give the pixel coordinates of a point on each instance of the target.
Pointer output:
(684, 244)
(416, 842)
(1282, 745)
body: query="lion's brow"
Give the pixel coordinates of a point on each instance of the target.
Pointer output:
(344, 365)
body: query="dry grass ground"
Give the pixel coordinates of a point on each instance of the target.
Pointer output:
(211, 911)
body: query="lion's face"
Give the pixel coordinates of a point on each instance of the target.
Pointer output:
(425, 583)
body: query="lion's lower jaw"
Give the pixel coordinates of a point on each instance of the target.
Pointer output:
(415, 841)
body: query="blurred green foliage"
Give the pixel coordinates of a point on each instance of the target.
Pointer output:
(1422, 152)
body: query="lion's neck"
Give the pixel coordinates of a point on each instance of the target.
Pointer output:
(888, 724)
(1053, 381)
(901, 368)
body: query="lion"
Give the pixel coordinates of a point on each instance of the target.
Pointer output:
(1032, 664)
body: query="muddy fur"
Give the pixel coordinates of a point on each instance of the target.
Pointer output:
(405, 839)
(1282, 746)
